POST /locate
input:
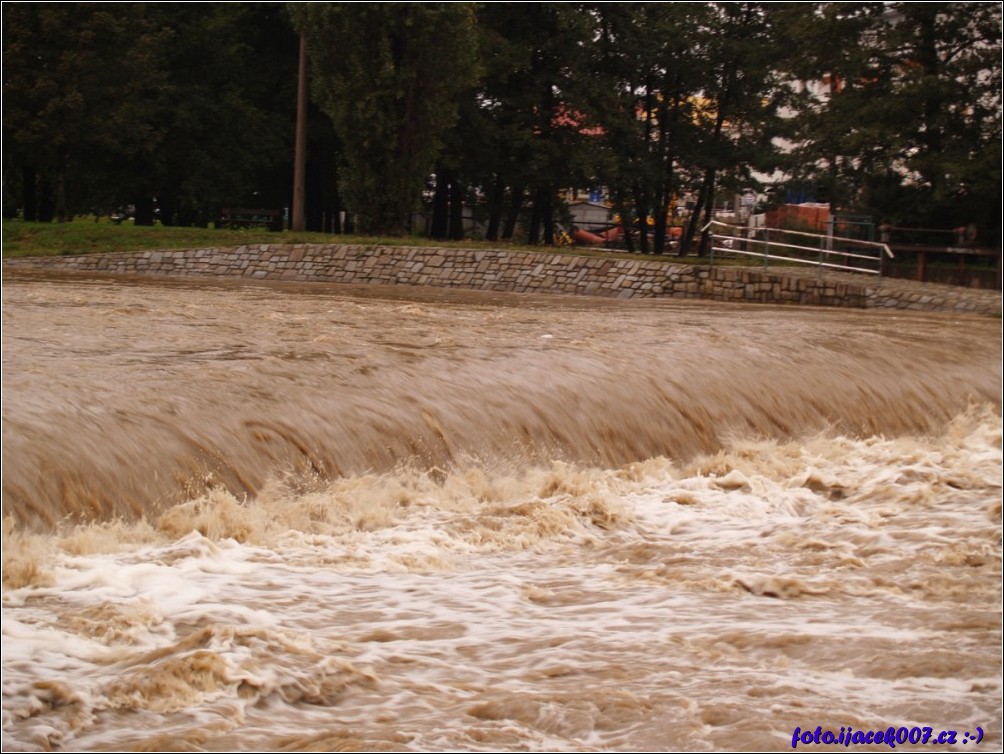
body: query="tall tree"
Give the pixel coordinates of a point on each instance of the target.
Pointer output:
(740, 99)
(76, 81)
(647, 72)
(519, 139)
(388, 76)
(946, 64)
(907, 126)
(118, 104)
(225, 107)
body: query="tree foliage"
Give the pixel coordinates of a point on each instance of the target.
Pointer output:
(907, 125)
(114, 104)
(75, 79)
(887, 108)
(388, 75)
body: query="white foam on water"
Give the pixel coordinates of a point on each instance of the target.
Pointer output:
(696, 606)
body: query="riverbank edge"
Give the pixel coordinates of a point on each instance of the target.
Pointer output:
(503, 270)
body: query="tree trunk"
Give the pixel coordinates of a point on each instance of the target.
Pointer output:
(298, 222)
(440, 205)
(640, 203)
(688, 234)
(659, 234)
(515, 205)
(62, 206)
(533, 237)
(668, 129)
(704, 205)
(709, 211)
(29, 189)
(46, 205)
(169, 214)
(547, 215)
(628, 231)
(456, 209)
(495, 209)
(144, 210)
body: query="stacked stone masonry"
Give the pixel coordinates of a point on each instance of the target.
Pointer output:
(505, 270)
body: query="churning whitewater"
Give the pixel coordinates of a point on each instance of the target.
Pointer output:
(329, 518)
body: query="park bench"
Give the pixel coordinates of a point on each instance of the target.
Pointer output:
(250, 218)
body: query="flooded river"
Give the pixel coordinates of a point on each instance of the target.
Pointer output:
(329, 518)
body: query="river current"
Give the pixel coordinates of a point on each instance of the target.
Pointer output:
(331, 518)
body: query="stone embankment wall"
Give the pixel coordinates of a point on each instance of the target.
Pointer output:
(502, 270)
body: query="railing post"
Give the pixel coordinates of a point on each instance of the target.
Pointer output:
(885, 253)
(819, 262)
(766, 247)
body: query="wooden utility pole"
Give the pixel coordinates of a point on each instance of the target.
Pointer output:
(299, 222)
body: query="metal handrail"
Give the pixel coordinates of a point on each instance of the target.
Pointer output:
(883, 246)
(796, 260)
(820, 250)
(790, 246)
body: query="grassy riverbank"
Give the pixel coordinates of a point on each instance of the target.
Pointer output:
(84, 236)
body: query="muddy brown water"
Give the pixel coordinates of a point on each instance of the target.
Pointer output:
(266, 517)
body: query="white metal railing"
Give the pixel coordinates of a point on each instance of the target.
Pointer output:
(776, 243)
